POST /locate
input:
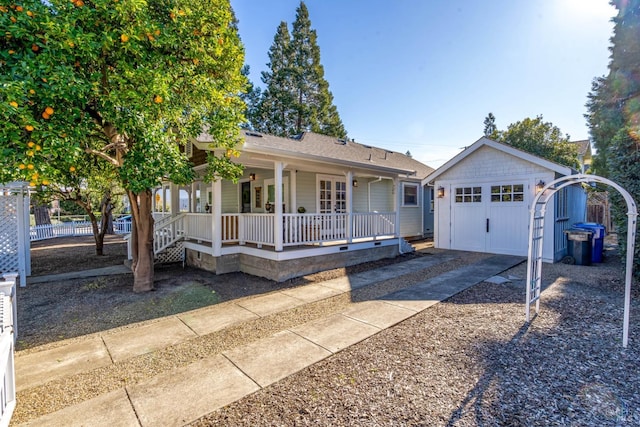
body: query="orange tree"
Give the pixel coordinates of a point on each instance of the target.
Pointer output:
(126, 81)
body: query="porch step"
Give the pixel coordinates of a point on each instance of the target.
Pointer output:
(312, 322)
(406, 247)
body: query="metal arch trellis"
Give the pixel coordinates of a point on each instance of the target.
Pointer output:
(536, 235)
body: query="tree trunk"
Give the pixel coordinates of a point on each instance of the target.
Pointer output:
(41, 212)
(142, 240)
(106, 207)
(98, 235)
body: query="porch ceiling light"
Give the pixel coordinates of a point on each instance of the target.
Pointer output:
(440, 192)
(355, 182)
(252, 176)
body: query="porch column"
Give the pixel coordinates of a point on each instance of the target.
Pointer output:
(293, 193)
(349, 195)
(277, 226)
(175, 199)
(397, 204)
(192, 197)
(164, 198)
(216, 217)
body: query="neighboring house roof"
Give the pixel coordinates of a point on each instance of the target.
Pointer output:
(584, 152)
(327, 149)
(505, 148)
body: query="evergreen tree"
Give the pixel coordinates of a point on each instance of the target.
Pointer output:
(490, 125)
(614, 115)
(297, 96)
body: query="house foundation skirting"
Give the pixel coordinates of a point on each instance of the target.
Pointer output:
(281, 266)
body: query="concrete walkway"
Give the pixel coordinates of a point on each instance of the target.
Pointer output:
(211, 383)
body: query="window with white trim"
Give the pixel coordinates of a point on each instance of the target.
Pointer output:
(468, 195)
(507, 193)
(410, 194)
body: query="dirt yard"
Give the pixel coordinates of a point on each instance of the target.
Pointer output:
(56, 310)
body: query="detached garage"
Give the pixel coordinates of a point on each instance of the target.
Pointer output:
(483, 200)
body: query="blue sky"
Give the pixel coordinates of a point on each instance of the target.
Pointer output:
(421, 75)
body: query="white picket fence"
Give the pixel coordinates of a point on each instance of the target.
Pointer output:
(72, 229)
(8, 333)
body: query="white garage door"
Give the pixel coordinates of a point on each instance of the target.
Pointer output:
(490, 217)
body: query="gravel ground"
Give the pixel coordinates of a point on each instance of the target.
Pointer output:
(472, 361)
(469, 361)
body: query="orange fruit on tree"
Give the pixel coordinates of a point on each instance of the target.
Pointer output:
(48, 110)
(72, 169)
(45, 116)
(35, 47)
(157, 99)
(32, 92)
(124, 38)
(21, 166)
(14, 104)
(29, 128)
(11, 51)
(38, 148)
(30, 166)
(29, 13)
(45, 182)
(30, 144)
(18, 8)
(32, 184)
(30, 153)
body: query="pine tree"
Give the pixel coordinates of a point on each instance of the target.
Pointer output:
(297, 96)
(614, 115)
(490, 125)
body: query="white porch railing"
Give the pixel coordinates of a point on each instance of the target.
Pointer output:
(168, 230)
(298, 229)
(373, 224)
(199, 226)
(257, 228)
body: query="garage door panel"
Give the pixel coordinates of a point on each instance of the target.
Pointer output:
(468, 218)
(508, 229)
(503, 204)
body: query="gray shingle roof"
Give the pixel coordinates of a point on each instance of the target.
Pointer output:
(330, 148)
(583, 146)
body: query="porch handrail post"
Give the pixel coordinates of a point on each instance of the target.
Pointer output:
(216, 217)
(396, 202)
(349, 218)
(278, 227)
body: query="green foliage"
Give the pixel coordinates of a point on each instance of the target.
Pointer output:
(542, 139)
(297, 96)
(124, 80)
(624, 160)
(614, 116)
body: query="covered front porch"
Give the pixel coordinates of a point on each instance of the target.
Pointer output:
(304, 199)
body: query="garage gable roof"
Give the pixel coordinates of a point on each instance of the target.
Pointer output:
(505, 148)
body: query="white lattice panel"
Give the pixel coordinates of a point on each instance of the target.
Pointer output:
(9, 250)
(171, 254)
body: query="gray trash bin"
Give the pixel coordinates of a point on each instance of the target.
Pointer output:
(579, 245)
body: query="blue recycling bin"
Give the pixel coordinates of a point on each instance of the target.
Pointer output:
(597, 238)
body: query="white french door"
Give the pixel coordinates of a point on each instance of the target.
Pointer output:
(332, 199)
